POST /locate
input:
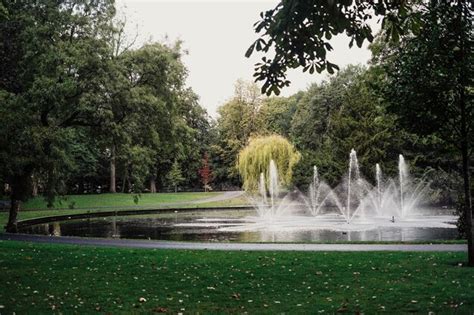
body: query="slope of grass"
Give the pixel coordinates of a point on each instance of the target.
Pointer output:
(65, 278)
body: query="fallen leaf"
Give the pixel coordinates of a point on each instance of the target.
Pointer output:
(160, 310)
(236, 296)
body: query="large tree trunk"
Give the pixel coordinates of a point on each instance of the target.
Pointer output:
(153, 184)
(465, 135)
(11, 226)
(20, 188)
(468, 203)
(80, 189)
(124, 180)
(34, 188)
(113, 186)
(466, 173)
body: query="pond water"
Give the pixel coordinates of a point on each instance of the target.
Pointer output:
(246, 226)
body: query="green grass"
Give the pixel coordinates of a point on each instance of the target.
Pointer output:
(67, 278)
(116, 200)
(108, 202)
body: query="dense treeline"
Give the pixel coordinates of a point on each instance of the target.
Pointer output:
(348, 111)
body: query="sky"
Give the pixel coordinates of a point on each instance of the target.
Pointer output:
(216, 34)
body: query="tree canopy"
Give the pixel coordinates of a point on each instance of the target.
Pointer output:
(78, 109)
(298, 33)
(256, 156)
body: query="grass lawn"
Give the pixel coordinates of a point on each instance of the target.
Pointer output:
(39, 278)
(117, 200)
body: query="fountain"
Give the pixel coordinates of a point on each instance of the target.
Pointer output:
(314, 193)
(402, 171)
(378, 179)
(355, 201)
(269, 204)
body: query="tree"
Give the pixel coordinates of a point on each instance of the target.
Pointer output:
(237, 122)
(255, 159)
(143, 114)
(338, 115)
(276, 113)
(192, 136)
(205, 172)
(175, 176)
(311, 122)
(362, 123)
(429, 80)
(84, 175)
(156, 78)
(299, 33)
(60, 45)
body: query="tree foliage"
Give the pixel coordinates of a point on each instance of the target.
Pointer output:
(430, 87)
(78, 107)
(175, 176)
(237, 122)
(51, 82)
(256, 156)
(298, 33)
(205, 172)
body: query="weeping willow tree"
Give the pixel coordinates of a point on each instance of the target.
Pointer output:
(256, 156)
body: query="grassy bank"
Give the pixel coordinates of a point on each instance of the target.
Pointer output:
(117, 200)
(37, 207)
(66, 278)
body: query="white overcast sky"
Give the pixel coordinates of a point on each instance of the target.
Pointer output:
(216, 34)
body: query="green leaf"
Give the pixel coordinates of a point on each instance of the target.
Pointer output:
(359, 40)
(351, 43)
(395, 36)
(249, 51)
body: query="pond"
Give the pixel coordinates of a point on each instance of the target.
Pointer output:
(245, 226)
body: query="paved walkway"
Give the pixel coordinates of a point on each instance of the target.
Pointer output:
(226, 195)
(236, 246)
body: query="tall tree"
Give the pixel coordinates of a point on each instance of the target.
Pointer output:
(141, 116)
(430, 84)
(276, 113)
(175, 176)
(156, 76)
(51, 80)
(362, 123)
(192, 129)
(238, 120)
(311, 122)
(205, 172)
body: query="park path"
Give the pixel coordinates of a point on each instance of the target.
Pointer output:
(227, 195)
(127, 243)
